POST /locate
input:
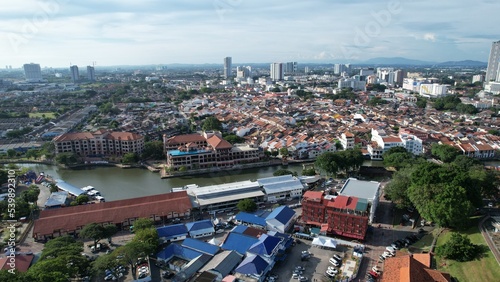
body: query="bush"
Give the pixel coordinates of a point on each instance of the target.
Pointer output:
(459, 248)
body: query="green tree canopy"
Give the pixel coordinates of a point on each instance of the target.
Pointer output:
(234, 139)
(211, 123)
(66, 158)
(284, 172)
(459, 248)
(129, 253)
(148, 236)
(143, 223)
(130, 158)
(309, 172)
(97, 232)
(153, 150)
(284, 152)
(445, 153)
(81, 199)
(247, 205)
(397, 157)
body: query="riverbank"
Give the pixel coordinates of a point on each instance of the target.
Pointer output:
(275, 162)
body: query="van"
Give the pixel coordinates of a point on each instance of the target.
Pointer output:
(391, 250)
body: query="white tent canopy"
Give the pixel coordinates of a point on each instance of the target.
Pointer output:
(324, 242)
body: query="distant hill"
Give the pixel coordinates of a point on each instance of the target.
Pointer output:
(396, 61)
(465, 63)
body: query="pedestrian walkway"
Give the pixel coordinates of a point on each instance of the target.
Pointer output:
(488, 239)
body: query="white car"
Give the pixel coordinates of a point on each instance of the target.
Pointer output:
(334, 262)
(330, 273)
(376, 269)
(337, 257)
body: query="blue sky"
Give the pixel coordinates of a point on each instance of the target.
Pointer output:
(117, 32)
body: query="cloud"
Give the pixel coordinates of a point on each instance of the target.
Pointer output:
(430, 37)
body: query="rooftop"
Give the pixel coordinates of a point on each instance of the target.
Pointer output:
(361, 189)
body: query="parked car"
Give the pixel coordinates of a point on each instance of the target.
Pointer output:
(337, 257)
(331, 272)
(334, 262)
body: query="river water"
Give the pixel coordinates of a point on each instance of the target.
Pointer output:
(116, 183)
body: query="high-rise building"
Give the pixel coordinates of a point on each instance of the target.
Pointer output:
(290, 67)
(227, 67)
(243, 72)
(340, 68)
(90, 73)
(492, 73)
(477, 78)
(32, 72)
(75, 75)
(277, 71)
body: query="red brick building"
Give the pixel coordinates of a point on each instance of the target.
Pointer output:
(337, 215)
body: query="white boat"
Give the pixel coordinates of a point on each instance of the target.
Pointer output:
(88, 188)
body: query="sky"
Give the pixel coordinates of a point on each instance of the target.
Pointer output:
(57, 33)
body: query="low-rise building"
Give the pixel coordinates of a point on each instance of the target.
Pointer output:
(99, 143)
(207, 150)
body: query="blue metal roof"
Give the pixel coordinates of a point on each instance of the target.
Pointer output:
(179, 251)
(57, 199)
(265, 245)
(251, 218)
(282, 214)
(73, 190)
(198, 225)
(238, 242)
(171, 231)
(239, 229)
(200, 246)
(252, 264)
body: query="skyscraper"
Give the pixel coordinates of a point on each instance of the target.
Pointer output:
(32, 72)
(90, 73)
(493, 63)
(75, 75)
(290, 67)
(227, 67)
(277, 71)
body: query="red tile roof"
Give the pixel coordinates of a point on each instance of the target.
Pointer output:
(186, 138)
(345, 202)
(414, 268)
(23, 262)
(70, 218)
(313, 195)
(107, 135)
(218, 143)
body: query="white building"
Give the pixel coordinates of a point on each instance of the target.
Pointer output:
(227, 67)
(243, 72)
(32, 72)
(492, 73)
(347, 140)
(433, 90)
(478, 78)
(340, 68)
(277, 71)
(492, 87)
(412, 144)
(281, 187)
(353, 83)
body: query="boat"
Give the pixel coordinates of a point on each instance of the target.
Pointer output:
(88, 188)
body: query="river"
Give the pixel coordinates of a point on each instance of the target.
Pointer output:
(117, 184)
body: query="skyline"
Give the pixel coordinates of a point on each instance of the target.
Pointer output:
(56, 32)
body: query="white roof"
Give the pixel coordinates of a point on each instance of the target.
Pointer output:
(224, 192)
(281, 183)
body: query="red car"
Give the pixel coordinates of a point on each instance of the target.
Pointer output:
(373, 273)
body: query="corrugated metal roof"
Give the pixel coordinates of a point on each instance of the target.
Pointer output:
(251, 218)
(360, 189)
(200, 246)
(73, 190)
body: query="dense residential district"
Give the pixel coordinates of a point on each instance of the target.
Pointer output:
(399, 179)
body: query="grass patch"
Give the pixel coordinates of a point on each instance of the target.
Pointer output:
(422, 245)
(484, 269)
(50, 115)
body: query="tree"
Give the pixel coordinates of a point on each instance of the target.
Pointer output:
(309, 172)
(459, 248)
(11, 153)
(153, 150)
(397, 160)
(32, 153)
(129, 253)
(445, 153)
(66, 158)
(53, 188)
(211, 123)
(82, 199)
(3, 176)
(284, 152)
(247, 205)
(421, 103)
(397, 189)
(97, 232)
(103, 262)
(284, 172)
(234, 139)
(148, 236)
(31, 195)
(328, 162)
(143, 223)
(129, 158)
(60, 260)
